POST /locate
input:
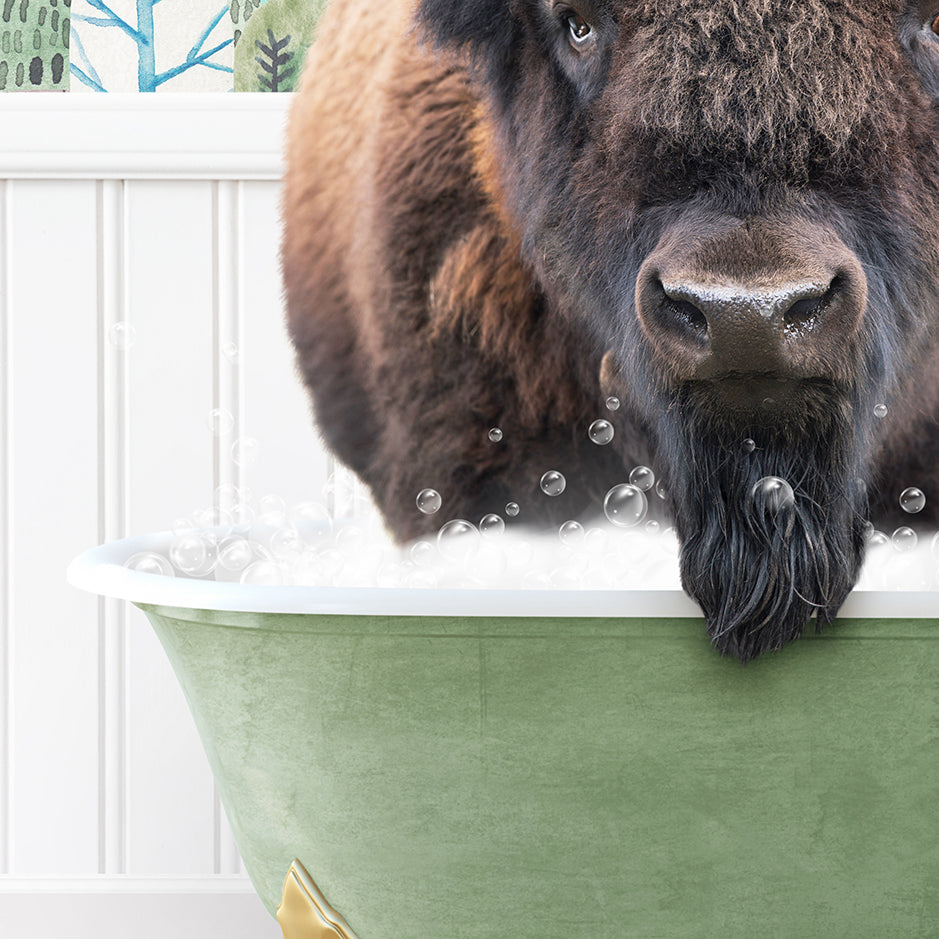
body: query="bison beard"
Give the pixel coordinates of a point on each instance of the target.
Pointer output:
(759, 574)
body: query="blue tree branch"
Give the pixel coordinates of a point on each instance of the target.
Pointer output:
(83, 78)
(197, 48)
(200, 60)
(115, 20)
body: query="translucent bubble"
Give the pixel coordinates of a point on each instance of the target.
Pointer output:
(597, 540)
(912, 500)
(491, 524)
(423, 553)
(192, 554)
(571, 533)
(612, 403)
(625, 505)
(272, 505)
(495, 434)
(213, 517)
(122, 336)
(220, 421)
(265, 573)
(458, 540)
(235, 554)
(226, 495)
(553, 483)
(642, 478)
(880, 410)
(231, 352)
(748, 446)
(877, 538)
(512, 509)
(772, 494)
(149, 562)
(245, 450)
(600, 432)
(904, 539)
(286, 543)
(350, 538)
(182, 525)
(429, 501)
(311, 519)
(660, 490)
(652, 526)
(242, 513)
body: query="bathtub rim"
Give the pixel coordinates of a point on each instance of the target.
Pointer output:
(100, 570)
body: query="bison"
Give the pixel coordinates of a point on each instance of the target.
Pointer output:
(724, 212)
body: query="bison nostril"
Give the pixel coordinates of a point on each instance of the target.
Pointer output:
(689, 315)
(804, 311)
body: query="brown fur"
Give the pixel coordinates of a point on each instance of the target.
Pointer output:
(477, 215)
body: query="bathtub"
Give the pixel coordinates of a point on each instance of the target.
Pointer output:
(440, 764)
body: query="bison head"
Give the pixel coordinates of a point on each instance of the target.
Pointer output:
(737, 203)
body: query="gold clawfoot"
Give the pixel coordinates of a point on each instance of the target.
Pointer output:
(304, 913)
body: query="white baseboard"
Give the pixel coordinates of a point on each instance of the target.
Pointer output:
(115, 908)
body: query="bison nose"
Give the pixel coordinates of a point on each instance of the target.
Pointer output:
(744, 328)
(798, 321)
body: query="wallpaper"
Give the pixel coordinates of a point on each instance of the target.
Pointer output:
(154, 45)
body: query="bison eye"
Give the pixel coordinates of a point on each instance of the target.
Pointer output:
(579, 28)
(934, 25)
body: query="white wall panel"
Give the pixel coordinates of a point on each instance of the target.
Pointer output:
(291, 460)
(170, 457)
(172, 229)
(52, 384)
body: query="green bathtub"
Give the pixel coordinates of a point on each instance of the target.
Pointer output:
(444, 771)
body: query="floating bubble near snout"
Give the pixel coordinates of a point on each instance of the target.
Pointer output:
(773, 495)
(553, 483)
(912, 500)
(429, 501)
(600, 432)
(495, 434)
(625, 505)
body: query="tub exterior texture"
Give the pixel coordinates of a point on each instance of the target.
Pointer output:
(443, 778)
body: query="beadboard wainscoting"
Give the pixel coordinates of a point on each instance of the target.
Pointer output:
(156, 218)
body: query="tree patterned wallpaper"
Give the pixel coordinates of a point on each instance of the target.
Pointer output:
(154, 45)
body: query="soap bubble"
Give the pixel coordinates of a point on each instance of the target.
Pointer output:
(213, 517)
(231, 352)
(612, 403)
(642, 478)
(192, 554)
(122, 336)
(904, 539)
(350, 538)
(553, 483)
(242, 513)
(912, 500)
(244, 451)
(512, 509)
(772, 494)
(235, 554)
(600, 432)
(311, 519)
(182, 525)
(423, 553)
(264, 573)
(272, 508)
(876, 538)
(286, 543)
(458, 540)
(748, 446)
(571, 533)
(652, 526)
(429, 501)
(220, 421)
(491, 524)
(226, 495)
(625, 505)
(495, 434)
(660, 490)
(880, 410)
(149, 562)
